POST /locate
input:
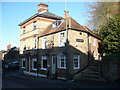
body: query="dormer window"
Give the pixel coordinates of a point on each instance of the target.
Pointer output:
(24, 30)
(35, 25)
(56, 24)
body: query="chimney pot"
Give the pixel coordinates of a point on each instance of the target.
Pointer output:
(42, 8)
(66, 13)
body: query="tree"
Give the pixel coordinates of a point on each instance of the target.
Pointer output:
(100, 12)
(105, 18)
(110, 33)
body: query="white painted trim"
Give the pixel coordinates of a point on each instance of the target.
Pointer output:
(43, 58)
(59, 38)
(52, 64)
(43, 42)
(23, 59)
(34, 59)
(34, 74)
(59, 62)
(78, 62)
(62, 78)
(43, 68)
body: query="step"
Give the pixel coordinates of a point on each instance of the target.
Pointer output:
(91, 73)
(89, 76)
(90, 79)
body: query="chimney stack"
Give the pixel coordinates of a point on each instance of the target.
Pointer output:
(42, 8)
(9, 47)
(66, 14)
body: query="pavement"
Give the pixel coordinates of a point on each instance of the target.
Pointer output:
(17, 80)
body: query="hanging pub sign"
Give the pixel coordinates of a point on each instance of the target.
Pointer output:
(79, 40)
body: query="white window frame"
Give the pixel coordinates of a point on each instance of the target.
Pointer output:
(90, 39)
(43, 42)
(34, 60)
(34, 42)
(43, 58)
(59, 61)
(61, 45)
(55, 24)
(78, 57)
(24, 44)
(23, 59)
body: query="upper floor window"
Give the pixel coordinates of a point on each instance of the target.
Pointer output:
(89, 39)
(62, 39)
(24, 30)
(34, 42)
(35, 25)
(43, 42)
(56, 23)
(24, 45)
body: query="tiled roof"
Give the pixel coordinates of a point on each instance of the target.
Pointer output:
(72, 24)
(44, 14)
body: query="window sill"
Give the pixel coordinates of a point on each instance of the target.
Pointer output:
(61, 68)
(76, 68)
(23, 67)
(34, 69)
(43, 69)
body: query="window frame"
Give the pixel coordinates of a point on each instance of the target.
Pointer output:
(56, 24)
(42, 59)
(34, 43)
(23, 59)
(63, 38)
(78, 61)
(59, 61)
(34, 60)
(44, 42)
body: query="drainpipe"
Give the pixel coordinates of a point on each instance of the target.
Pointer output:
(66, 50)
(88, 50)
(37, 53)
(29, 65)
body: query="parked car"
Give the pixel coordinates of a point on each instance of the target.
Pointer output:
(14, 65)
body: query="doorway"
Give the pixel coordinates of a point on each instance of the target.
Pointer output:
(54, 64)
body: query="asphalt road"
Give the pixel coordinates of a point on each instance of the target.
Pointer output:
(35, 82)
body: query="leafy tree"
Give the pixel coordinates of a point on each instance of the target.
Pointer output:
(110, 33)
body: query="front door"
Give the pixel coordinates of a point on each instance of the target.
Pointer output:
(54, 64)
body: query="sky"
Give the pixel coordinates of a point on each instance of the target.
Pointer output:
(13, 13)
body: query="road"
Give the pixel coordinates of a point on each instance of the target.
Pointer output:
(38, 82)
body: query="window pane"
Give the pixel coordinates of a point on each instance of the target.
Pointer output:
(35, 64)
(44, 63)
(23, 63)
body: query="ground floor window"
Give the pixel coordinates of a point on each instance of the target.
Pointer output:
(61, 62)
(23, 62)
(76, 61)
(44, 62)
(34, 64)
